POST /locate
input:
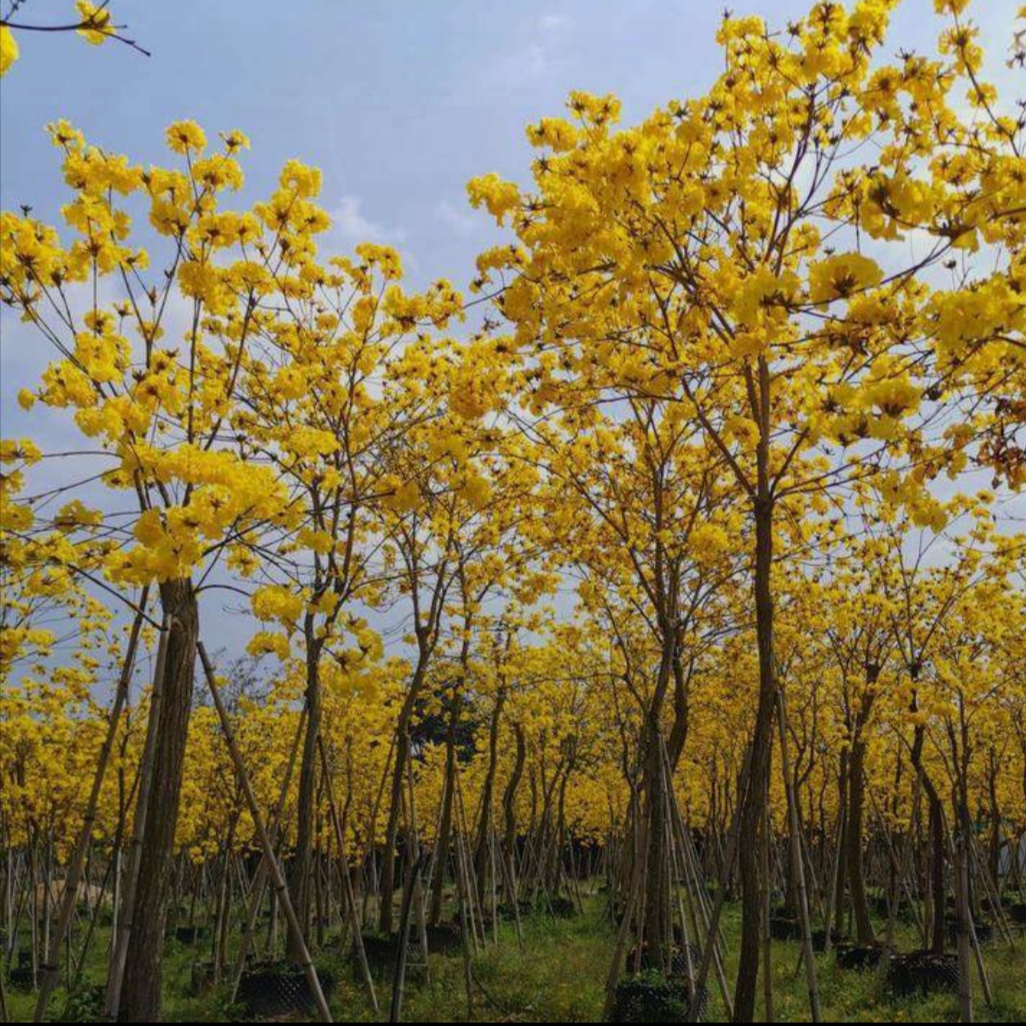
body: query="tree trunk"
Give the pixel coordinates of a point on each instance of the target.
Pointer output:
(301, 882)
(752, 799)
(445, 819)
(484, 826)
(853, 840)
(509, 798)
(140, 995)
(658, 920)
(936, 836)
(402, 753)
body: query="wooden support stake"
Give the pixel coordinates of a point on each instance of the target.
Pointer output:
(277, 876)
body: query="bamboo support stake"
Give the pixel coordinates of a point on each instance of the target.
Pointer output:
(259, 883)
(721, 887)
(625, 923)
(123, 938)
(796, 856)
(74, 873)
(410, 899)
(277, 876)
(348, 897)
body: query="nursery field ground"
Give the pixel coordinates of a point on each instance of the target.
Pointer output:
(558, 976)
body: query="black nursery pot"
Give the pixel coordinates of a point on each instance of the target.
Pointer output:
(380, 951)
(443, 938)
(20, 977)
(562, 908)
(279, 989)
(651, 997)
(922, 972)
(858, 957)
(784, 927)
(508, 914)
(984, 931)
(819, 939)
(190, 934)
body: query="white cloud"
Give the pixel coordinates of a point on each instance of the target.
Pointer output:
(536, 50)
(460, 221)
(553, 22)
(351, 225)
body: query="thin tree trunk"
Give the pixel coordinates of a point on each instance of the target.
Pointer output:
(752, 797)
(141, 989)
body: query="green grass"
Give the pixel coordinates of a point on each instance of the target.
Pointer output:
(559, 973)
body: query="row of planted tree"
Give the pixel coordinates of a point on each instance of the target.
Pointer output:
(665, 559)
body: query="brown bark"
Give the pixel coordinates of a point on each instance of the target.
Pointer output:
(141, 989)
(445, 820)
(484, 826)
(856, 797)
(301, 881)
(749, 853)
(402, 753)
(509, 797)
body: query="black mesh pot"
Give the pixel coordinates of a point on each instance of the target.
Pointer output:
(784, 926)
(1017, 912)
(276, 989)
(819, 939)
(381, 951)
(508, 913)
(922, 972)
(858, 957)
(442, 939)
(561, 908)
(984, 931)
(651, 997)
(20, 977)
(190, 934)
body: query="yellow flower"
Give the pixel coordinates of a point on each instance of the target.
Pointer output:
(96, 22)
(8, 49)
(840, 276)
(183, 136)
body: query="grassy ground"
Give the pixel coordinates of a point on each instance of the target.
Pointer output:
(559, 973)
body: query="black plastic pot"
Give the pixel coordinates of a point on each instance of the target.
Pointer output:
(442, 939)
(858, 957)
(784, 927)
(922, 972)
(275, 989)
(190, 934)
(819, 939)
(984, 931)
(20, 977)
(561, 908)
(508, 914)
(651, 997)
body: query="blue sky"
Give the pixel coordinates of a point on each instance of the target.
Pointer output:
(399, 102)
